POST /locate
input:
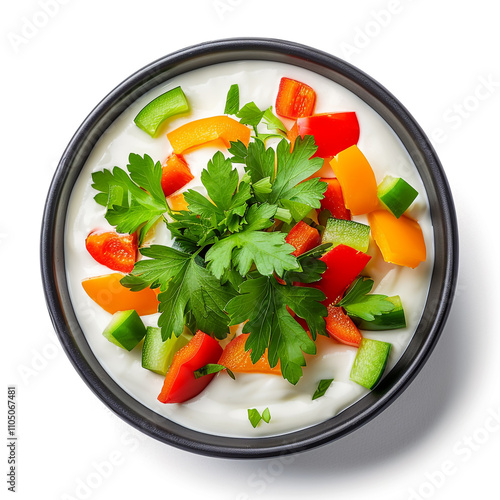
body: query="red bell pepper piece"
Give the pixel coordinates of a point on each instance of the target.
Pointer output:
(303, 237)
(334, 200)
(333, 132)
(180, 383)
(341, 328)
(343, 263)
(175, 174)
(295, 99)
(116, 251)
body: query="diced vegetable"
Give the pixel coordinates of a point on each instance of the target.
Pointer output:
(292, 135)
(177, 202)
(255, 417)
(232, 100)
(205, 130)
(156, 354)
(323, 386)
(396, 194)
(400, 240)
(237, 359)
(303, 237)
(370, 362)
(357, 180)
(180, 383)
(341, 328)
(343, 265)
(158, 110)
(295, 99)
(125, 329)
(175, 174)
(112, 296)
(388, 321)
(333, 132)
(113, 250)
(334, 200)
(347, 232)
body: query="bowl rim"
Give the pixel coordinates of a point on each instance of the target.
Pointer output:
(52, 253)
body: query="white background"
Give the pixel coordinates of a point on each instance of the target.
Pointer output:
(441, 438)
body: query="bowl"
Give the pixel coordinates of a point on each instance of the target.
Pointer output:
(443, 278)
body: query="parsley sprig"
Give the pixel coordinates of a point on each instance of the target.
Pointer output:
(134, 200)
(358, 301)
(251, 114)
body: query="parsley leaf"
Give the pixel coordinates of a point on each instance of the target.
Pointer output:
(185, 287)
(263, 186)
(191, 231)
(162, 265)
(292, 169)
(322, 388)
(359, 303)
(266, 415)
(196, 290)
(287, 172)
(238, 151)
(212, 368)
(267, 250)
(263, 301)
(131, 200)
(311, 268)
(255, 417)
(227, 196)
(250, 114)
(232, 100)
(259, 161)
(273, 122)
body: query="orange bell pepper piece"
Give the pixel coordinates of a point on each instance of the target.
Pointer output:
(341, 328)
(112, 296)
(400, 240)
(177, 202)
(175, 174)
(238, 360)
(205, 130)
(303, 237)
(295, 99)
(357, 180)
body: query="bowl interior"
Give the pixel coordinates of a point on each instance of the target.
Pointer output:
(444, 231)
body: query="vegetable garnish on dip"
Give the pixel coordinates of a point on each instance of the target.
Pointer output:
(256, 250)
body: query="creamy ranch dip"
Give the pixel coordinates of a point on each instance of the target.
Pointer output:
(221, 408)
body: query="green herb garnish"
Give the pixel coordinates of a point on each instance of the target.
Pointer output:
(232, 100)
(212, 368)
(227, 249)
(263, 301)
(360, 303)
(251, 114)
(322, 388)
(255, 417)
(288, 189)
(131, 199)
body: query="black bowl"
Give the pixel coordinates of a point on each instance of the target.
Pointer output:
(443, 279)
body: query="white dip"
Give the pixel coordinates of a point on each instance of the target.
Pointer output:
(222, 408)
